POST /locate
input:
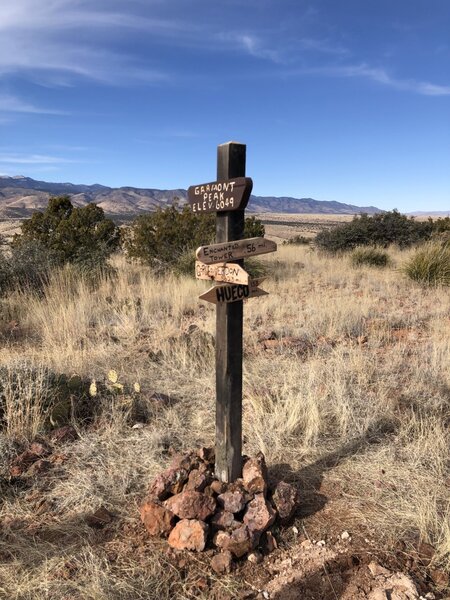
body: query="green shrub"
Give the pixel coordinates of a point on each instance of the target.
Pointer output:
(253, 228)
(27, 265)
(81, 236)
(298, 240)
(161, 238)
(369, 257)
(167, 239)
(441, 225)
(430, 265)
(381, 229)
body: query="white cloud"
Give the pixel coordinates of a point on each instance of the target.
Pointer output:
(75, 37)
(12, 104)
(254, 46)
(381, 76)
(33, 159)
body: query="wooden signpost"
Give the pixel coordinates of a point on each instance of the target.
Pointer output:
(231, 194)
(220, 294)
(222, 262)
(234, 250)
(227, 272)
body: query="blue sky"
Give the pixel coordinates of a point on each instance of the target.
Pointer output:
(345, 100)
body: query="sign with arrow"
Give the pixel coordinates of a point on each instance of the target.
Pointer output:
(225, 294)
(229, 251)
(227, 272)
(217, 196)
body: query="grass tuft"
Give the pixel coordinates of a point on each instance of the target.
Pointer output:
(369, 257)
(430, 265)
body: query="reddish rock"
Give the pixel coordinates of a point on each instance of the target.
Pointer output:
(64, 434)
(285, 499)
(254, 474)
(255, 557)
(232, 502)
(189, 534)
(218, 487)
(191, 505)
(58, 459)
(259, 515)
(15, 471)
(208, 491)
(238, 542)
(168, 482)
(222, 563)
(425, 553)
(100, 518)
(224, 520)
(40, 449)
(187, 461)
(22, 462)
(440, 578)
(157, 519)
(40, 466)
(198, 480)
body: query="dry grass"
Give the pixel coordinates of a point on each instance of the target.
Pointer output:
(364, 409)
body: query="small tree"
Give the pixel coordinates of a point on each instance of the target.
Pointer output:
(168, 238)
(163, 236)
(82, 236)
(253, 228)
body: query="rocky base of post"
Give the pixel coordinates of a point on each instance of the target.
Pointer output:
(195, 511)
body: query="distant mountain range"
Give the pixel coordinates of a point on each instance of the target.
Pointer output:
(20, 196)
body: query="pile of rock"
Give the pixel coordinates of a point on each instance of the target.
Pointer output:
(194, 510)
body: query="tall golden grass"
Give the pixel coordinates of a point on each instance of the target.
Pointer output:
(361, 404)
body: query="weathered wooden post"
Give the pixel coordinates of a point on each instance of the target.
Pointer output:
(229, 325)
(223, 262)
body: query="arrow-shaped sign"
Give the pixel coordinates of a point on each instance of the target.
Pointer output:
(224, 294)
(219, 196)
(229, 251)
(227, 272)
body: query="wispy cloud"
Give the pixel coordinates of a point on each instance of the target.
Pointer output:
(33, 159)
(12, 104)
(323, 46)
(42, 39)
(254, 46)
(281, 51)
(378, 75)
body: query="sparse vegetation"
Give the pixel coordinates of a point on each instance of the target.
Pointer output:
(352, 405)
(430, 264)
(381, 229)
(298, 240)
(369, 257)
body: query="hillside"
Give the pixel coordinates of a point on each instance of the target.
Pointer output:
(19, 196)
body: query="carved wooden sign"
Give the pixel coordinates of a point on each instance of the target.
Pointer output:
(225, 294)
(227, 272)
(229, 251)
(219, 196)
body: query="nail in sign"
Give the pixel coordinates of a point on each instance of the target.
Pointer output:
(224, 294)
(229, 251)
(219, 196)
(227, 272)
